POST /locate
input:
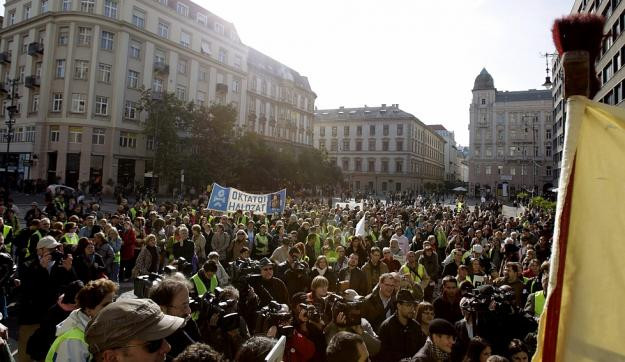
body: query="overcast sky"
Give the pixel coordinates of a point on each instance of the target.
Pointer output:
(423, 55)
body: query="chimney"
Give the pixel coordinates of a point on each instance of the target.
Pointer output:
(383, 105)
(397, 105)
(342, 107)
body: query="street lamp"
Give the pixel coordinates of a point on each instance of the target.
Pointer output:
(548, 82)
(12, 109)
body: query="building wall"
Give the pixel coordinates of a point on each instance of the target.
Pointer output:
(380, 149)
(609, 68)
(205, 62)
(510, 142)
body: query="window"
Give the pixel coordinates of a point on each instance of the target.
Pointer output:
(135, 49)
(35, 103)
(185, 39)
(182, 9)
(81, 70)
(138, 18)
(110, 8)
(334, 145)
(512, 171)
(202, 19)
(182, 66)
(75, 135)
(106, 42)
(548, 171)
(57, 102)
(237, 63)
(87, 6)
(26, 12)
(371, 165)
(223, 55)
(399, 166)
(67, 5)
(157, 85)
(384, 166)
(60, 68)
(385, 130)
(181, 92)
(345, 164)
(84, 36)
(97, 136)
(400, 129)
(22, 73)
(346, 145)
(11, 17)
(104, 72)
(44, 6)
(219, 28)
(127, 139)
(334, 131)
(358, 145)
(130, 110)
(25, 42)
(63, 36)
(30, 134)
(101, 105)
(346, 131)
(384, 145)
(133, 79)
(149, 143)
(372, 145)
(487, 170)
(358, 165)
(204, 74)
(322, 144)
(372, 130)
(163, 29)
(55, 133)
(236, 85)
(548, 151)
(400, 145)
(359, 131)
(79, 102)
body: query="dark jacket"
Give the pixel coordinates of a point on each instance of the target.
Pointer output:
(373, 273)
(86, 270)
(357, 280)
(268, 290)
(373, 309)
(431, 265)
(425, 354)
(182, 338)
(330, 274)
(399, 341)
(462, 340)
(39, 343)
(449, 311)
(38, 292)
(186, 250)
(450, 269)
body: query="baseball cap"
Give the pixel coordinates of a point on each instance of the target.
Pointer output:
(47, 242)
(477, 248)
(126, 319)
(442, 326)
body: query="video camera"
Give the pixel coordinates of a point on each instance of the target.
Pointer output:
(240, 270)
(311, 311)
(352, 310)
(210, 304)
(273, 315)
(481, 299)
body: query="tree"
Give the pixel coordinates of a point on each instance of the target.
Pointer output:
(168, 118)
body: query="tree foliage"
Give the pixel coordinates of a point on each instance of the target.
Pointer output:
(204, 143)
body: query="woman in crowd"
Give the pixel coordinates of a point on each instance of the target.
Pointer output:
(148, 259)
(116, 243)
(96, 295)
(322, 268)
(87, 264)
(517, 351)
(200, 243)
(478, 351)
(129, 242)
(425, 314)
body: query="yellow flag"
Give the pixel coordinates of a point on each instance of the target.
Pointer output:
(584, 317)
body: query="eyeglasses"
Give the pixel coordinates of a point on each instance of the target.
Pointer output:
(150, 346)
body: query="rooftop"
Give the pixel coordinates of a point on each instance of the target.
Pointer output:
(274, 67)
(521, 96)
(437, 127)
(391, 111)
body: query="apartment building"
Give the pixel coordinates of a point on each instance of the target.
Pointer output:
(381, 149)
(79, 68)
(450, 152)
(609, 68)
(510, 135)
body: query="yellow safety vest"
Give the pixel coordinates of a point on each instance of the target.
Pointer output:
(74, 333)
(5, 231)
(28, 246)
(416, 277)
(72, 240)
(201, 289)
(539, 303)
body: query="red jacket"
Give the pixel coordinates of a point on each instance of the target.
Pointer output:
(298, 348)
(129, 241)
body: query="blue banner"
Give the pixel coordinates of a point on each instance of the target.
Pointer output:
(229, 199)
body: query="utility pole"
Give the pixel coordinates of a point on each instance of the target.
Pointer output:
(12, 109)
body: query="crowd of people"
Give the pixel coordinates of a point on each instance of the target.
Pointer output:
(410, 280)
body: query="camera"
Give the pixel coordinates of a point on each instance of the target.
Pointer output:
(240, 270)
(272, 315)
(184, 267)
(481, 299)
(57, 256)
(352, 310)
(311, 311)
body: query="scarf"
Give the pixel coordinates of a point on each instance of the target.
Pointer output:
(436, 352)
(321, 272)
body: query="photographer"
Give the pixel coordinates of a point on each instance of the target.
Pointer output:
(346, 316)
(512, 275)
(220, 324)
(293, 257)
(350, 277)
(172, 296)
(268, 287)
(207, 276)
(400, 334)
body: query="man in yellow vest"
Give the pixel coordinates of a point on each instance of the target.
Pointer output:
(7, 235)
(70, 237)
(205, 280)
(536, 301)
(415, 272)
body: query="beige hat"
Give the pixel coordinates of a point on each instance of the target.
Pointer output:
(47, 242)
(126, 319)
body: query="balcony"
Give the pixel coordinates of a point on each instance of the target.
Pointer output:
(221, 88)
(32, 82)
(3, 90)
(35, 49)
(5, 58)
(161, 67)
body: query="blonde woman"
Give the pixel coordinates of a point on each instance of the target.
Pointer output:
(148, 259)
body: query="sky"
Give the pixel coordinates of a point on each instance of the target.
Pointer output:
(423, 55)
